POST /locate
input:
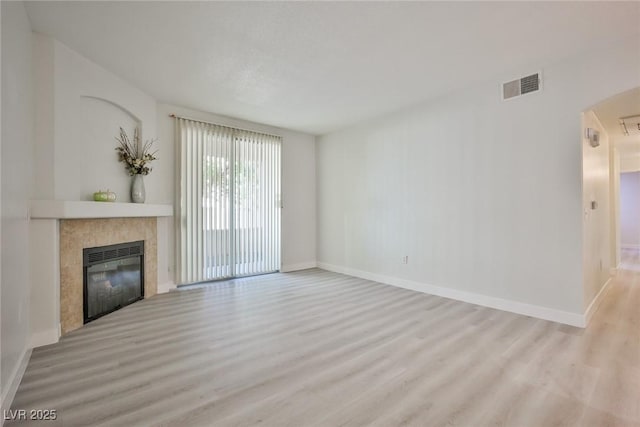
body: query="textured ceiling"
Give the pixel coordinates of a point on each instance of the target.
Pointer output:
(321, 66)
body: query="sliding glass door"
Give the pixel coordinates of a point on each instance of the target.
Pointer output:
(229, 209)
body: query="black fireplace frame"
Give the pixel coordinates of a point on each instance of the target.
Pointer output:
(101, 254)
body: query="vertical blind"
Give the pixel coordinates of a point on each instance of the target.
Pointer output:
(229, 209)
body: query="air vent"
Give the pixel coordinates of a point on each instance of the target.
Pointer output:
(110, 254)
(102, 254)
(123, 252)
(522, 86)
(630, 125)
(96, 257)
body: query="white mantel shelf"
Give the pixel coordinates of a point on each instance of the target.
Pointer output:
(60, 209)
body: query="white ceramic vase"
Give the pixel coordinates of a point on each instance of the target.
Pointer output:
(137, 189)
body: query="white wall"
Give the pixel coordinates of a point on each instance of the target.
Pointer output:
(17, 134)
(298, 182)
(630, 162)
(44, 249)
(484, 196)
(630, 209)
(80, 107)
(614, 208)
(596, 222)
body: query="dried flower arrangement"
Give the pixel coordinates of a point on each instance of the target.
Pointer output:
(133, 155)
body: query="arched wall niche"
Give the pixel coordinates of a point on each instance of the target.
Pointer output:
(116, 105)
(92, 151)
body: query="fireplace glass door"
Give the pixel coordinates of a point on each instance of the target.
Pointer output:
(114, 278)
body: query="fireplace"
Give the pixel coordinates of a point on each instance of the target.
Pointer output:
(113, 278)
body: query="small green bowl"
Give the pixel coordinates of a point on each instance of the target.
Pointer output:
(104, 196)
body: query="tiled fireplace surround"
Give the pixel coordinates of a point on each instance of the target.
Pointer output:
(77, 234)
(60, 230)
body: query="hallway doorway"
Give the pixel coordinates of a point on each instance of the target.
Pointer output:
(617, 120)
(630, 220)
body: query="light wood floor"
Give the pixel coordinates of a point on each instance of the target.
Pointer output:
(322, 349)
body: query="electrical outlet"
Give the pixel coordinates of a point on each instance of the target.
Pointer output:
(405, 259)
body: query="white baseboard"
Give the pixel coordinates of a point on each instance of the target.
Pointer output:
(14, 382)
(38, 339)
(595, 303)
(163, 288)
(545, 313)
(299, 266)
